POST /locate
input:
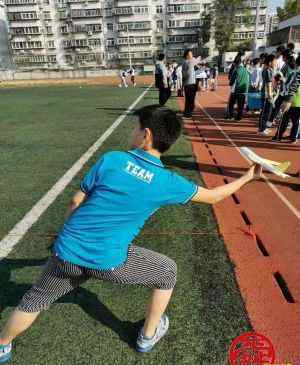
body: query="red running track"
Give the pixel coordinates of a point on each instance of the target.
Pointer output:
(260, 224)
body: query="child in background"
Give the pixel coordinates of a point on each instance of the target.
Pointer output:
(267, 94)
(179, 85)
(214, 73)
(174, 79)
(132, 76)
(207, 70)
(123, 79)
(256, 76)
(239, 82)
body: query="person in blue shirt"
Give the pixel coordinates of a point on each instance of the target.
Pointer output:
(116, 197)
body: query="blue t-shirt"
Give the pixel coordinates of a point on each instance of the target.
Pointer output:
(124, 189)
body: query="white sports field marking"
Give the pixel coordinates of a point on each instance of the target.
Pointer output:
(292, 208)
(22, 227)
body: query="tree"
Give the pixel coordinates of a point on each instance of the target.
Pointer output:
(206, 28)
(291, 8)
(224, 21)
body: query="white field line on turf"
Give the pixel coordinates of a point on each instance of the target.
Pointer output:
(293, 209)
(21, 228)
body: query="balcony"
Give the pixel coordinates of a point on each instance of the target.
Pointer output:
(183, 8)
(185, 38)
(86, 28)
(22, 16)
(134, 41)
(25, 31)
(19, 2)
(136, 55)
(124, 27)
(252, 4)
(124, 10)
(85, 13)
(19, 46)
(182, 24)
(81, 43)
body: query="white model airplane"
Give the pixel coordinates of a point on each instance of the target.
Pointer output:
(277, 168)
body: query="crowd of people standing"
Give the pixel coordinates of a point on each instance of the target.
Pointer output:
(275, 78)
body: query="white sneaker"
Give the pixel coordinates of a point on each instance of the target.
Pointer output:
(146, 344)
(5, 353)
(266, 132)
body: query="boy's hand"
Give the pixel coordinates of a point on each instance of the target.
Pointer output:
(254, 173)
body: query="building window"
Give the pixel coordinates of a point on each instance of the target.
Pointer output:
(174, 24)
(49, 30)
(47, 15)
(110, 26)
(25, 30)
(52, 58)
(51, 44)
(94, 43)
(192, 23)
(26, 45)
(206, 7)
(134, 26)
(126, 10)
(85, 13)
(141, 9)
(22, 16)
(159, 25)
(159, 9)
(183, 8)
(20, 2)
(110, 42)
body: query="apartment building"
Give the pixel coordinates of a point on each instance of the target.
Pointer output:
(69, 34)
(101, 33)
(245, 23)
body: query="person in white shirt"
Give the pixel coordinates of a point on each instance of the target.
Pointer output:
(256, 76)
(201, 77)
(122, 76)
(179, 80)
(131, 72)
(279, 58)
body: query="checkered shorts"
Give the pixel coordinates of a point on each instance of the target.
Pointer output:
(59, 277)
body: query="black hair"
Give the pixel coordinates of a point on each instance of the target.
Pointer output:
(270, 58)
(161, 56)
(286, 53)
(290, 61)
(186, 52)
(263, 57)
(280, 49)
(256, 61)
(291, 46)
(164, 124)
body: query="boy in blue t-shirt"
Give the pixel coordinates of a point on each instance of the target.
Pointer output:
(116, 197)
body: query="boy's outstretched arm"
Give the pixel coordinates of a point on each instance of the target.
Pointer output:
(77, 199)
(212, 196)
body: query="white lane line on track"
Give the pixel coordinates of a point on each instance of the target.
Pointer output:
(22, 227)
(291, 207)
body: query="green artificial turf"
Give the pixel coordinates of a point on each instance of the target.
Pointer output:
(45, 131)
